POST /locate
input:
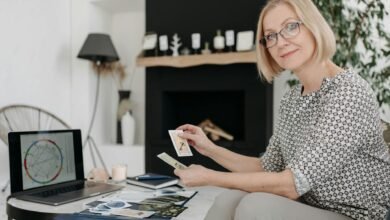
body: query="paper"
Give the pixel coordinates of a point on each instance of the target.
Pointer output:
(132, 213)
(171, 161)
(130, 196)
(181, 145)
(106, 208)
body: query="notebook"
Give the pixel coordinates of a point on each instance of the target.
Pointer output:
(152, 180)
(47, 167)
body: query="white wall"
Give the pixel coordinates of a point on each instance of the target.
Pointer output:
(127, 31)
(39, 44)
(35, 54)
(35, 58)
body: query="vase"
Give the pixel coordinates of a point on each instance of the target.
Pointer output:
(219, 42)
(128, 129)
(125, 125)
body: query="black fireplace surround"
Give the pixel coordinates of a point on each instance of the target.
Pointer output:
(232, 96)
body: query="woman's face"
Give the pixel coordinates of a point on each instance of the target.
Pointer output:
(290, 43)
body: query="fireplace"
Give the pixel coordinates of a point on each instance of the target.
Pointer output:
(232, 96)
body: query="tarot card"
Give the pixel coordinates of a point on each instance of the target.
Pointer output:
(171, 161)
(117, 204)
(181, 145)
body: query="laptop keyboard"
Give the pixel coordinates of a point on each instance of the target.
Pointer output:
(61, 190)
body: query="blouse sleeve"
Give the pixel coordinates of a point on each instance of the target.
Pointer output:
(272, 160)
(341, 128)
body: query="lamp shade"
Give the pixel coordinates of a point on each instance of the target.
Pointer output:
(98, 48)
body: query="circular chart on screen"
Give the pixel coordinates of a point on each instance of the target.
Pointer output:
(43, 161)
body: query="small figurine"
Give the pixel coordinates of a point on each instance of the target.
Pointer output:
(206, 49)
(175, 45)
(185, 51)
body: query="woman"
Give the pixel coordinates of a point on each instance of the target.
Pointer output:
(327, 158)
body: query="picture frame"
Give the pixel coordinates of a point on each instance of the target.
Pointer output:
(245, 40)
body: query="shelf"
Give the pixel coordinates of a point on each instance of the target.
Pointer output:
(196, 60)
(119, 6)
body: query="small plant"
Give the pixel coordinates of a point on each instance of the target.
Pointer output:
(362, 41)
(115, 69)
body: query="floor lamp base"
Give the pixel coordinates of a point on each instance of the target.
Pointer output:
(93, 147)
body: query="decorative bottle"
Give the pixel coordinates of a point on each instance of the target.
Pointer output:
(219, 42)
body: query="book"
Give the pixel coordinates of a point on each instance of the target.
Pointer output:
(152, 180)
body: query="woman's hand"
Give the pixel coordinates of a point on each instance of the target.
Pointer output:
(194, 175)
(197, 138)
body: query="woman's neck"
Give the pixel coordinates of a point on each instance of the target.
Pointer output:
(312, 75)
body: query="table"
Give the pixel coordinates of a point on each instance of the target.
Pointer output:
(21, 210)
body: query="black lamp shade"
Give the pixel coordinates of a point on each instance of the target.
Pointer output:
(98, 48)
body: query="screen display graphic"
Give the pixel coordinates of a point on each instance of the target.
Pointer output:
(47, 159)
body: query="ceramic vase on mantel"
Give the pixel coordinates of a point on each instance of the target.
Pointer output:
(125, 125)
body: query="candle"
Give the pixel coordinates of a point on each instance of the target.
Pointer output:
(119, 172)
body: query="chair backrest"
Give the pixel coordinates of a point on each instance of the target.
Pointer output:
(27, 118)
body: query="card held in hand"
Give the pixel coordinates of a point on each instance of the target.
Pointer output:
(181, 145)
(171, 161)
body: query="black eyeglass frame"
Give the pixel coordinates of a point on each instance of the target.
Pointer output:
(263, 42)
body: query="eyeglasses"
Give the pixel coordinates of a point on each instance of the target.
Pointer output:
(290, 30)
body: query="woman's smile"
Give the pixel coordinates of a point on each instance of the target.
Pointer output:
(288, 54)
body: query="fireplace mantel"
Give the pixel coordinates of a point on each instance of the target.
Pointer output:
(196, 60)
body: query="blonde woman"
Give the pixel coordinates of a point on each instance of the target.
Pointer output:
(327, 158)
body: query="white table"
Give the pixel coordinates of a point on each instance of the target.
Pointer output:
(197, 206)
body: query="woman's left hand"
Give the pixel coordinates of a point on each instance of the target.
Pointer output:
(194, 175)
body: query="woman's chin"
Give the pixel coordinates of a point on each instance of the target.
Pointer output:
(290, 66)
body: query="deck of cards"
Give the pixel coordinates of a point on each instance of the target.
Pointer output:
(181, 145)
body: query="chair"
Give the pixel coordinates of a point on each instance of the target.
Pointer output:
(26, 118)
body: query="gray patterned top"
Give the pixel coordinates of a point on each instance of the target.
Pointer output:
(332, 141)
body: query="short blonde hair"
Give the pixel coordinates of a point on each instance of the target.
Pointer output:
(312, 19)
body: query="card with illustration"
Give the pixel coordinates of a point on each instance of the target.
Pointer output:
(171, 161)
(181, 145)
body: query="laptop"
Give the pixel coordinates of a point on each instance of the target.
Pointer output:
(47, 167)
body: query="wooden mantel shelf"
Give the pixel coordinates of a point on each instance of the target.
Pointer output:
(195, 60)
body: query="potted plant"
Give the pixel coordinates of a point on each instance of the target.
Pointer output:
(362, 41)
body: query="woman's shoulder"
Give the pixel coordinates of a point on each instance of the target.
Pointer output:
(348, 82)
(349, 85)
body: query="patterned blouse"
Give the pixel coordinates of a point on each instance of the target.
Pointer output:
(332, 142)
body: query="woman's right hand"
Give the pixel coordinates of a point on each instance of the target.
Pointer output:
(197, 138)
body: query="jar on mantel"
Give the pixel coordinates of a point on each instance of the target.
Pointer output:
(125, 126)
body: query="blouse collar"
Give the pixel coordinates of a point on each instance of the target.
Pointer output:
(326, 84)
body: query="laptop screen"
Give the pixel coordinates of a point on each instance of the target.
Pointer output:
(44, 158)
(47, 158)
